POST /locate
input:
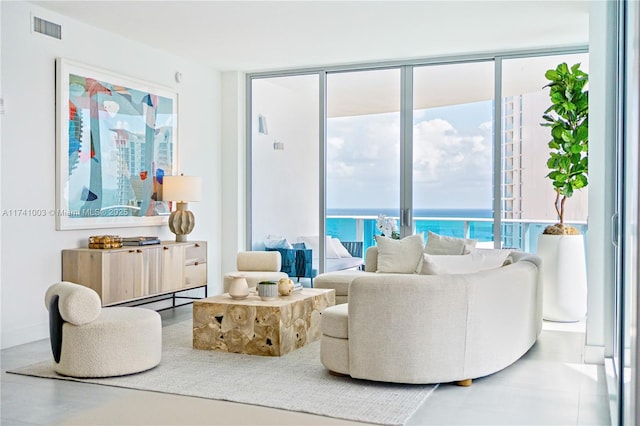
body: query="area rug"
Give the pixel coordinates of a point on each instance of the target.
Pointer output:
(295, 382)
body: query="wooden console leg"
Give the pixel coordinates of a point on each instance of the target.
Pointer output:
(335, 373)
(465, 382)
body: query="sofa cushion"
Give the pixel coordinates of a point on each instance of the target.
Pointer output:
(448, 264)
(399, 256)
(335, 321)
(428, 266)
(439, 244)
(339, 280)
(489, 258)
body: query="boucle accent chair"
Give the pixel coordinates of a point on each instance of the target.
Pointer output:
(90, 341)
(410, 328)
(257, 266)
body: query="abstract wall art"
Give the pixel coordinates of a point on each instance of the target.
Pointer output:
(116, 140)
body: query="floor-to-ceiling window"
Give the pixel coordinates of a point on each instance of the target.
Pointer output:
(424, 138)
(363, 152)
(527, 195)
(453, 149)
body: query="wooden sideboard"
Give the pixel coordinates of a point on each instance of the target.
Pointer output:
(132, 273)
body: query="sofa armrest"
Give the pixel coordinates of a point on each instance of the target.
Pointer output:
(371, 259)
(390, 312)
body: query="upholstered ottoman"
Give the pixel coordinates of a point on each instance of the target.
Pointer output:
(89, 341)
(334, 344)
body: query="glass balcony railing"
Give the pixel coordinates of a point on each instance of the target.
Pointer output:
(518, 234)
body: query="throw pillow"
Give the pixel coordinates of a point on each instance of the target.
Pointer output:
(311, 243)
(428, 266)
(508, 261)
(339, 248)
(314, 244)
(489, 258)
(448, 264)
(399, 256)
(280, 243)
(439, 244)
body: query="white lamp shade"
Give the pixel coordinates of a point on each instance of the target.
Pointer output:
(181, 188)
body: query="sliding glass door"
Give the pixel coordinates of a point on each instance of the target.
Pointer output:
(425, 145)
(363, 153)
(453, 150)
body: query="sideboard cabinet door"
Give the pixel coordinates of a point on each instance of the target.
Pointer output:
(130, 273)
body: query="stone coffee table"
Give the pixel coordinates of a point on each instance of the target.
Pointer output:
(260, 327)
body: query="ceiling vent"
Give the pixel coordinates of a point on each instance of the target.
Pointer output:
(47, 28)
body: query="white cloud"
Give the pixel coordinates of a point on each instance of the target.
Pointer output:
(363, 152)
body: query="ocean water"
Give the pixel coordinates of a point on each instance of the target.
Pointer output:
(425, 220)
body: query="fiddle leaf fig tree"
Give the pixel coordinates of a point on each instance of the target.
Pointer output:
(568, 118)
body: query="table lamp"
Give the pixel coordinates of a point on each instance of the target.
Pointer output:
(181, 189)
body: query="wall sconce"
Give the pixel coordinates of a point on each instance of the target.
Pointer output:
(278, 146)
(181, 189)
(262, 125)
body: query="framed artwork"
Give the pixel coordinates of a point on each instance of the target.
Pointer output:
(116, 140)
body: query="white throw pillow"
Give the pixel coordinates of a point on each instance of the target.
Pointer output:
(448, 264)
(313, 243)
(277, 243)
(428, 266)
(339, 248)
(399, 256)
(489, 258)
(439, 244)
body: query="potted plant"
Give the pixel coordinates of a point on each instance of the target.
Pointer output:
(561, 247)
(568, 118)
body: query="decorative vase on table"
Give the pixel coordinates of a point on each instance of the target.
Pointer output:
(268, 290)
(564, 277)
(238, 289)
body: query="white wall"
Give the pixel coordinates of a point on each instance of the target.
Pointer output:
(31, 246)
(285, 183)
(234, 198)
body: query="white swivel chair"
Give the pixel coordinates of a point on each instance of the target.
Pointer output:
(256, 266)
(90, 341)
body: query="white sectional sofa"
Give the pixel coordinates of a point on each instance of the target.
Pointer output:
(433, 328)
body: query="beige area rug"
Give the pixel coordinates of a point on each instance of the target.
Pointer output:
(295, 382)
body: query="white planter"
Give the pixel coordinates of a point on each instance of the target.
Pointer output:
(564, 277)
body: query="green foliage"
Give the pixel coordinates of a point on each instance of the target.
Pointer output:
(568, 117)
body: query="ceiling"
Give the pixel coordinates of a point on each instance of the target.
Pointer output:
(273, 35)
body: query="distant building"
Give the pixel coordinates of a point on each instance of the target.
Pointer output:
(527, 194)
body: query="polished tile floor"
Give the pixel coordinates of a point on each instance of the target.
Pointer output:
(549, 386)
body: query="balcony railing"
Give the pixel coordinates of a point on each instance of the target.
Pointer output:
(521, 234)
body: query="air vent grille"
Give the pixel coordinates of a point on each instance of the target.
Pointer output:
(47, 28)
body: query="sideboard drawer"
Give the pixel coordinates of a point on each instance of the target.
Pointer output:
(195, 274)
